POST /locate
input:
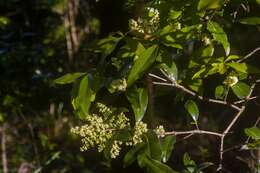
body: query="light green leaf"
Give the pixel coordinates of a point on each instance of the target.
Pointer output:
(219, 35)
(220, 92)
(244, 68)
(171, 70)
(258, 1)
(241, 90)
(232, 57)
(253, 133)
(198, 73)
(240, 67)
(167, 147)
(174, 14)
(138, 97)
(131, 155)
(209, 4)
(144, 61)
(193, 109)
(84, 98)
(68, 78)
(250, 20)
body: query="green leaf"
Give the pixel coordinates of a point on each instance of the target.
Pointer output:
(209, 4)
(84, 98)
(131, 155)
(144, 61)
(171, 70)
(154, 165)
(250, 21)
(240, 67)
(241, 90)
(244, 68)
(198, 73)
(253, 133)
(220, 92)
(193, 109)
(232, 57)
(68, 78)
(219, 35)
(258, 1)
(153, 147)
(138, 97)
(167, 147)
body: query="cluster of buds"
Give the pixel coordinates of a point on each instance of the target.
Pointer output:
(160, 131)
(139, 129)
(148, 24)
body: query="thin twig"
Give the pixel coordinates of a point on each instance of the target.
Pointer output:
(230, 125)
(249, 55)
(157, 77)
(196, 95)
(175, 133)
(3, 146)
(242, 101)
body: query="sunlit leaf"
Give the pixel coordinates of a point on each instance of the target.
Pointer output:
(193, 109)
(250, 20)
(253, 133)
(209, 4)
(219, 35)
(144, 61)
(241, 90)
(68, 78)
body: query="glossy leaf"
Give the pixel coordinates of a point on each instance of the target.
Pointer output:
(219, 35)
(209, 4)
(68, 78)
(138, 97)
(220, 92)
(193, 109)
(84, 98)
(144, 61)
(153, 147)
(250, 20)
(167, 147)
(253, 133)
(171, 70)
(131, 155)
(241, 90)
(153, 165)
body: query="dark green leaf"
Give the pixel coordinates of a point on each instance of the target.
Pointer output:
(68, 78)
(138, 97)
(193, 109)
(167, 147)
(144, 61)
(220, 92)
(153, 165)
(253, 133)
(209, 4)
(153, 147)
(250, 21)
(219, 35)
(171, 70)
(241, 90)
(131, 155)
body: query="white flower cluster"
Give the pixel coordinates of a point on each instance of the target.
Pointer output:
(160, 131)
(139, 130)
(99, 130)
(231, 81)
(147, 24)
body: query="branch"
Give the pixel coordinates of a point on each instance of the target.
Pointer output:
(175, 133)
(242, 101)
(3, 146)
(249, 55)
(196, 95)
(234, 120)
